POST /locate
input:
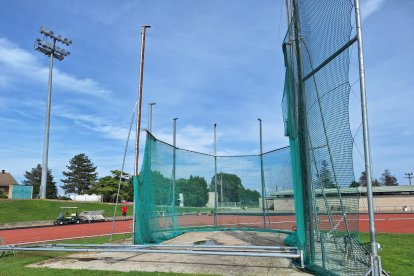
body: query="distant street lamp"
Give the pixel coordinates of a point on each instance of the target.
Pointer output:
(49, 49)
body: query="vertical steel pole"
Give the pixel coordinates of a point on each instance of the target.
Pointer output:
(221, 185)
(288, 11)
(43, 182)
(174, 144)
(367, 154)
(303, 132)
(215, 175)
(150, 116)
(262, 176)
(141, 74)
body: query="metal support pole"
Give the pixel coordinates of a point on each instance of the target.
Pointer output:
(221, 186)
(150, 116)
(322, 238)
(288, 11)
(367, 154)
(141, 74)
(215, 175)
(43, 181)
(262, 176)
(307, 186)
(174, 157)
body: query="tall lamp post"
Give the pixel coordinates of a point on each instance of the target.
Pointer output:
(49, 49)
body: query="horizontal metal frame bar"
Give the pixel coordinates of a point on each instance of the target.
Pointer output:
(186, 249)
(135, 250)
(329, 59)
(171, 246)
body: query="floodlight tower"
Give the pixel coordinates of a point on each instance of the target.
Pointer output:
(49, 49)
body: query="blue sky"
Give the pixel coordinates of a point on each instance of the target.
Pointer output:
(206, 62)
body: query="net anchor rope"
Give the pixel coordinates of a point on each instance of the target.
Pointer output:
(122, 170)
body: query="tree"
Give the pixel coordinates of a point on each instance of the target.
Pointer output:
(324, 176)
(194, 190)
(376, 183)
(34, 178)
(387, 179)
(2, 195)
(80, 176)
(249, 197)
(162, 187)
(363, 179)
(354, 184)
(232, 187)
(108, 187)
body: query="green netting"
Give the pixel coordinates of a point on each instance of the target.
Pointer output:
(242, 190)
(317, 165)
(315, 109)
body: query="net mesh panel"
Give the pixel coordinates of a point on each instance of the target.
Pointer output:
(317, 123)
(239, 191)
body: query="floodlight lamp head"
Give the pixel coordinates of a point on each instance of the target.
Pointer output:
(63, 51)
(44, 42)
(49, 44)
(47, 31)
(65, 40)
(38, 40)
(59, 37)
(42, 28)
(51, 32)
(58, 48)
(68, 53)
(70, 41)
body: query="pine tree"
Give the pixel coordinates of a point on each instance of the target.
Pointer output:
(34, 178)
(324, 176)
(363, 179)
(80, 176)
(387, 179)
(108, 187)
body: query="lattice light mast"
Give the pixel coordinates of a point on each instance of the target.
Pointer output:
(49, 49)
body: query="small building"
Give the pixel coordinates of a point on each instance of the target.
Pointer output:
(12, 189)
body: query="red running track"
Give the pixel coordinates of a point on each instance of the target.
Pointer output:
(62, 232)
(387, 223)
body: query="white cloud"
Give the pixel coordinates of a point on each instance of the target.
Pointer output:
(19, 64)
(190, 137)
(368, 7)
(99, 124)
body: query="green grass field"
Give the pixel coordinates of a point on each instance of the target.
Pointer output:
(20, 210)
(398, 252)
